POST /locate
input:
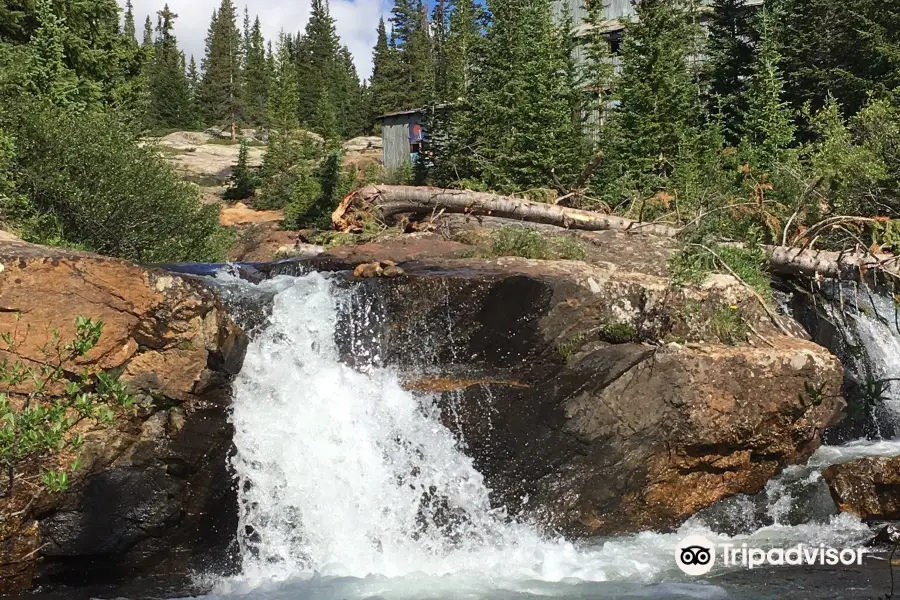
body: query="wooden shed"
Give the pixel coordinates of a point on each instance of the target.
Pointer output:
(403, 134)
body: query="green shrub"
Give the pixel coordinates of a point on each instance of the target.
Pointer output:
(89, 185)
(36, 422)
(727, 325)
(312, 204)
(693, 264)
(527, 243)
(243, 181)
(289, 160)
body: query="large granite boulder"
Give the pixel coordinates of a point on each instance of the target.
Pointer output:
(153, 493)
(596, 397)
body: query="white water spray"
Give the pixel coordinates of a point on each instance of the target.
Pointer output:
(343, 474)
(347, 474)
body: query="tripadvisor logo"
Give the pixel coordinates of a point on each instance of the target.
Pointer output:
(696, 555)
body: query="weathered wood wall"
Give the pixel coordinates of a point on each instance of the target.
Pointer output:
(395, 132)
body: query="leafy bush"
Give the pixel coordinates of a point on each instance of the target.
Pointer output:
(858, 161)
(89, 185)
(35, 421)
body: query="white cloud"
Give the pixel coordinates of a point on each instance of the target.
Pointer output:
(356, 22)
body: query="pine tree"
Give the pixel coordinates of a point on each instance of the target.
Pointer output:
(242, 182)
(147, 39)
(730, 54)
(193, 79)
(47, 73)
(129, 31)
(324, 67)
(440, 27)
(767, 128)
(517, 123)
(286, 170)
(411, 37)
(824, 52)
(220, 89)
(659, 114)
(170, 93)
(326, 119)
(597, 76)
(256, 76)
(245, 38)
(880, 36)
(350, 97)
(284, 91)
(90, 40)
(385, 86)
(464, 35)
(316, 58)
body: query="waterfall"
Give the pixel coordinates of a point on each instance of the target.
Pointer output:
(869, 324)
(343, 472)
(346, 477)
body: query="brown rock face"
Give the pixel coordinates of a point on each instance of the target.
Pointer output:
(149, 485)
(868, 488)
(559, 379)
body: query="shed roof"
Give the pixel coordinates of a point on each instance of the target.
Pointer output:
(412, 111)
(401, 113)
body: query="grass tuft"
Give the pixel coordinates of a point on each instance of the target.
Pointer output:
(527, 243)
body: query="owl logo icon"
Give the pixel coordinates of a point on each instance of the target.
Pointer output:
(695, 555)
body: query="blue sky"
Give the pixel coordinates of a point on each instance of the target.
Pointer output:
(356, 21)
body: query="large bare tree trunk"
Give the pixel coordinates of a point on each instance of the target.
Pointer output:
(832, 265)
(385, 201)
(388, 200)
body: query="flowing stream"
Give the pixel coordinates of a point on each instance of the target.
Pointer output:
(350, 487)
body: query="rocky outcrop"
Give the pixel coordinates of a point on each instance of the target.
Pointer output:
(153, 493)
(596, 397)
(363, 144)
(868, 487)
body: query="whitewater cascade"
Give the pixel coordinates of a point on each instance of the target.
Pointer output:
(869, 323)
(344, 474)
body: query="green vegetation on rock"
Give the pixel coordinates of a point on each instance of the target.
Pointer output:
(528, 243)
(43, 402)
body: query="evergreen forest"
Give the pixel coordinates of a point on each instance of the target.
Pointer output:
(762, 124)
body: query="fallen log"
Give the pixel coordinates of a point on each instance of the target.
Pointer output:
(386, 201)
(832, 265)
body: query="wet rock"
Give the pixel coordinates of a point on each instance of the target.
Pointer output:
(386, 268)
(152, 494)
(868, 487)
(367, 270)
(888, 535)
(573, 398)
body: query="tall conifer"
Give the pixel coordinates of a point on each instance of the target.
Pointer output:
(767, 128)
(730, 54)
(220, 89)
(517, 123)
(170, 94)
(255, 77)
(385, 86)
(659, 115)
